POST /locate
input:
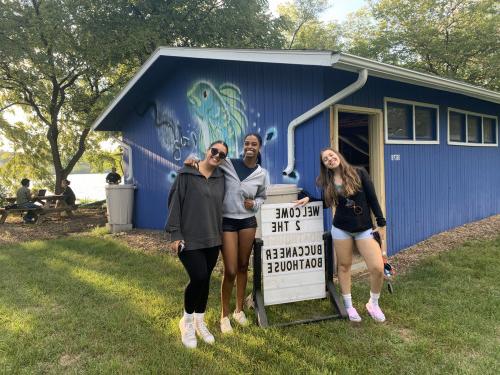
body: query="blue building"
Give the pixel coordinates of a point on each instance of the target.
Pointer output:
(430, 143)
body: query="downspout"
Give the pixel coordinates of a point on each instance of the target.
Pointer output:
(130, 170)
(360, 82)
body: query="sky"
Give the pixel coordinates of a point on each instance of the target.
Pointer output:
(338, 12)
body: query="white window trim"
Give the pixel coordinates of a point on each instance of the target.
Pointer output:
(414, 141)
(467, 143)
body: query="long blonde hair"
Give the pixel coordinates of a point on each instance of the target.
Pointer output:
(350, 179)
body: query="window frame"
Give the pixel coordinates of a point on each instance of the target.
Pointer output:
(413, 141)
(467, 143)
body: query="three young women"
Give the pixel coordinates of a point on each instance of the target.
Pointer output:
(195, 226)
(351, 192)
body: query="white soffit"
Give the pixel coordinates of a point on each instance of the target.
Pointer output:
(376, 69)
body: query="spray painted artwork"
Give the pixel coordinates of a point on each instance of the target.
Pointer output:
(216, 111)
(219, 114)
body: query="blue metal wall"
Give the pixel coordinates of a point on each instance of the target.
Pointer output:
(431, 189)
(270, 97)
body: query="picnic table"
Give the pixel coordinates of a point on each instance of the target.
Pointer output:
(47, 207)
(49, 200)
(45, 200)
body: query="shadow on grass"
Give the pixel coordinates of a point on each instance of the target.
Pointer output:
(92, 305)
(111, 308)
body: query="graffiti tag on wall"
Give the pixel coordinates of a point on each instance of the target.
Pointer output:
(171, 135)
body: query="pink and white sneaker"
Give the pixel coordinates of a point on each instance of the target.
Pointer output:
(353, 315)
(375, 312)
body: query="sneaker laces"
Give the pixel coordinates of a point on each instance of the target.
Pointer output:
(225, 325)
(240, 316)
(189, 331)
(202, 328)
(376, 312)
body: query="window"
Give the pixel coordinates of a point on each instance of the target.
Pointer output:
(411, 122)
(471, 129)
(457, 127)
(489, 130)
(425, 123)
(399, 121)
(474, 133)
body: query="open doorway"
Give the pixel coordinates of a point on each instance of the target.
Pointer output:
(357, 132)
(353, 139)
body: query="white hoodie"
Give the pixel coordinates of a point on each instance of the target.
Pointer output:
(252, 187)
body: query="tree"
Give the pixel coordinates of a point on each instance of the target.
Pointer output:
(451, 38)
(302, 26)
(63, 60)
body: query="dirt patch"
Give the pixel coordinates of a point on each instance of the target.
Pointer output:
(149, 241)
(486, 229)
(405, 334)
(155, 241)
(68, 360)
(53, 226)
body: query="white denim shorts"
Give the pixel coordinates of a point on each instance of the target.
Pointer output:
(339, 234)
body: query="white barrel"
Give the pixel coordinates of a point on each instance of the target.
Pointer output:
(282, 193)
(278, 193)
(120, 203)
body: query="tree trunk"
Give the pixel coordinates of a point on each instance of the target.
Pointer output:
(59, 177)
(62, 173)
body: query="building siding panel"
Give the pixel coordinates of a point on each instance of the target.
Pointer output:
(271, 100)
(431, 188)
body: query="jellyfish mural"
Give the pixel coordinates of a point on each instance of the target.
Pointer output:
(220, 114)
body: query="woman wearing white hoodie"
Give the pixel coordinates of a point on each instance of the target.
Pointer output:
(245, 182)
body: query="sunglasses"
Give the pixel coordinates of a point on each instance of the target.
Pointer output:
(215, 151)
(358, 210)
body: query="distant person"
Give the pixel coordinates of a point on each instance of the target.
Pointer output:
(113, 178)
(68, 195)
(24, 200)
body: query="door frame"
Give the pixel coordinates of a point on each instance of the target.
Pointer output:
(375, 141)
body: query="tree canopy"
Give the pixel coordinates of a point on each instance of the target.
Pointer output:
(450, 38)
(63, 60)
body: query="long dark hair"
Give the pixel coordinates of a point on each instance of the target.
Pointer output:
(259, 138)
(350, 179)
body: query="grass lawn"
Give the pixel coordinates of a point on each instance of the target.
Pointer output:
(91, 305)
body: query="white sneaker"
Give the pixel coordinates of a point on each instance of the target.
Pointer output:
(240, 318)
(202, 330)
(225, 325)
(188, 335)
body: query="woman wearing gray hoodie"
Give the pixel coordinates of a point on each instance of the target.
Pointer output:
(246, 183)
(195, 226)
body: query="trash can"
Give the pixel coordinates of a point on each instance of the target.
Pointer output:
(278, 193)
(120, 204)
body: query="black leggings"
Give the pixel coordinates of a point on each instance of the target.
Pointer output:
(199, 265)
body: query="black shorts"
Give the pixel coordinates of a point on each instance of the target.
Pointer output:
(235, 225)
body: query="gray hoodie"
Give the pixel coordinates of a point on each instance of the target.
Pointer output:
(195, 209)
(252, 187)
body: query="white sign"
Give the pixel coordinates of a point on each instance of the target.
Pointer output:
(293, 255)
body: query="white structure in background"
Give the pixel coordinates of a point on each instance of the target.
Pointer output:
(120, 204)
